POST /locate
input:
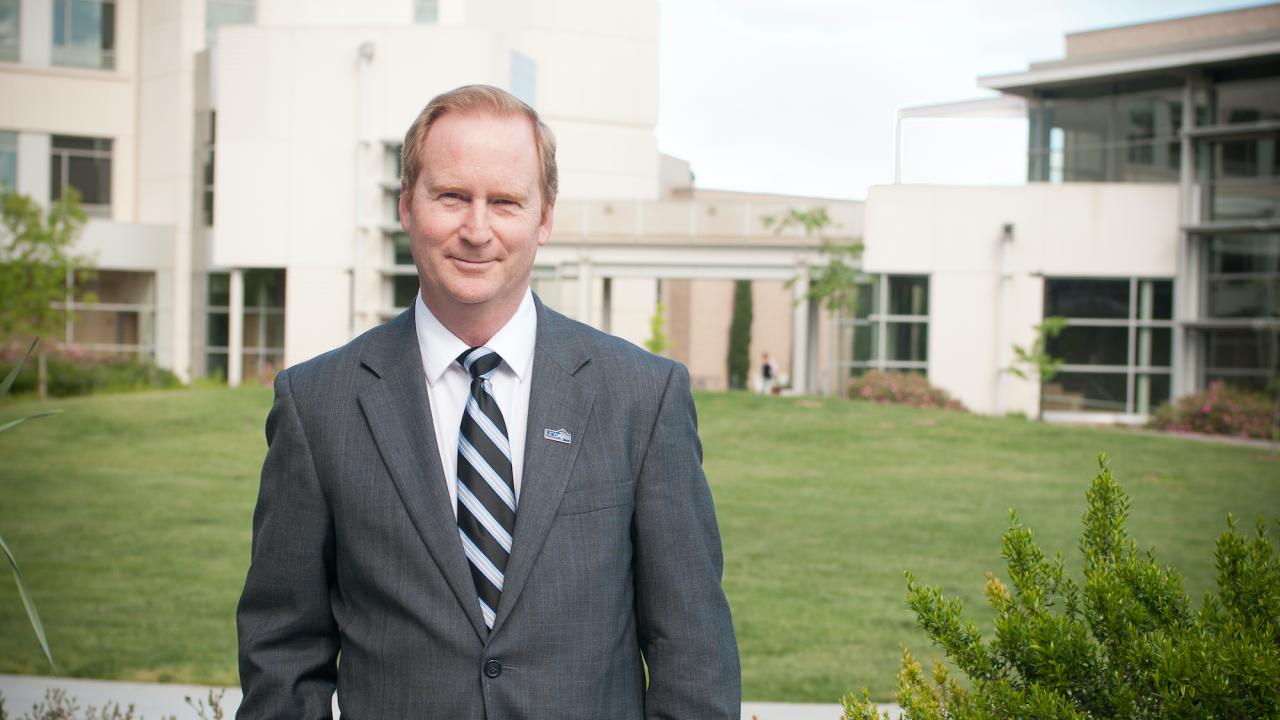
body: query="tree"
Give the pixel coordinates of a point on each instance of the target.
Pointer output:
(834, 283)
(657, 342)
(36, 258)
(739, 360)
(1037, 358)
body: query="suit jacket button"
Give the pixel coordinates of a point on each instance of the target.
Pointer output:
(492, 669)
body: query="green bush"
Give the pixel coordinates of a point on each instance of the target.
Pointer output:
(73, 371)
(1219, 410)
(900, 388)
(1125, 644)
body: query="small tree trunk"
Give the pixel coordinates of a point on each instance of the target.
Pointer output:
(42, 376)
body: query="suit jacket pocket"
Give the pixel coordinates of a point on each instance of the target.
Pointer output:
(576, 502)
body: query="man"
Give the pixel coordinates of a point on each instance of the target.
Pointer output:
(483, 509)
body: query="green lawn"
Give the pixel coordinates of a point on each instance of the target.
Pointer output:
(130, 514)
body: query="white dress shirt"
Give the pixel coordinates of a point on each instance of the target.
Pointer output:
(448, 384)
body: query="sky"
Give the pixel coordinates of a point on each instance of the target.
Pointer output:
(801, 97)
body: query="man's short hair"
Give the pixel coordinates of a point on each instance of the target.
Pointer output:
(480, 99)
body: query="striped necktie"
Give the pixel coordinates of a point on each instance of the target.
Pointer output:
(486, 485)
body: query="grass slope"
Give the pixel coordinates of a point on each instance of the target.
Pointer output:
(131, 513)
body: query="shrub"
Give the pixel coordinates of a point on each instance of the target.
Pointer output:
(899, 388)
(58, 705)
(73, 371)
(1219, 410)
(1126, 644)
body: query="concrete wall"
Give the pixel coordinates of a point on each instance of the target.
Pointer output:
(1072, 230)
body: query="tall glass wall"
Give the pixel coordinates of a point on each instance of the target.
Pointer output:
(890, 328)
(1238, 236)
(1116, 132)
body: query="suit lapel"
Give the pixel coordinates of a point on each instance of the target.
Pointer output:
(557, 401)
(399, 416)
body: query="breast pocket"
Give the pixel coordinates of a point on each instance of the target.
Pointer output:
(577, 502)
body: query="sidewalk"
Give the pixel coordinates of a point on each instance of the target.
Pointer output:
(156, 701)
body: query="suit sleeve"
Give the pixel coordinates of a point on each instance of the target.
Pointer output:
(288, 640)
(685, 630)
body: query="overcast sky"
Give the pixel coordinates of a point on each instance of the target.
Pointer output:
(800, 97)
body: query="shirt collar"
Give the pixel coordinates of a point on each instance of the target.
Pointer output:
(514, 342)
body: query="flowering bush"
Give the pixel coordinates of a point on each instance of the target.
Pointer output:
(1219, 410)
(76, 371)
(899, 388)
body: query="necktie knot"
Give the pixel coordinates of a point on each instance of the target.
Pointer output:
(480, 362)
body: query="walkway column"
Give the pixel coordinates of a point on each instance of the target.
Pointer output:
(235, 331)
(800, 331)
(584, 289)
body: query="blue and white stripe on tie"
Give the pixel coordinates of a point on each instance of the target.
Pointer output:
(486, 485)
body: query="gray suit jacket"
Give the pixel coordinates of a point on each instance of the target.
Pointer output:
(358, 578)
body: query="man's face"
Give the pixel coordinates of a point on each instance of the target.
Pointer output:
(474, 216)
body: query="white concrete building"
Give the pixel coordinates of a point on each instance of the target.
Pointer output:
(240, 161)
(1150, 221)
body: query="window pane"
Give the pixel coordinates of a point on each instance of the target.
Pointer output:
(1086, 392)
(227, 12)
(1239, 298)
(8, 158)
(264, 288)
(1087, 298)
(868, 301)
(1155, 300)
(524, 78)
(908, 295)
(9, 33)
(403, 290)
(120, 287)
(1242, 350)
(1249, 253)
(110, 327)
(864, 342)
(1155, 347)
(219, 330)
(1150, 392)
(92, 177)
(1244, 201)
(426, 11)
(1091, 345)
(219, 290)
(400, 252)
(1248, 100)
(907, 341)
(215, 365)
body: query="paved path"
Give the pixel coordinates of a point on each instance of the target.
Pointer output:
(157, 701)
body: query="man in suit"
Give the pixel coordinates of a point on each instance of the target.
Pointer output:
(484, 509)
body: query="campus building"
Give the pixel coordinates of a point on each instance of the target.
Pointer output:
(239, 160)
(1150, 220)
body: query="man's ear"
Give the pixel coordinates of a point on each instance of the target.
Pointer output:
(403, 205)
(544, 227)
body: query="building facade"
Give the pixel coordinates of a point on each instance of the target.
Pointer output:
(1150, 221)
(240, 163)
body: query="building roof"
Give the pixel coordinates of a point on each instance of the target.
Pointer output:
(1162, 47)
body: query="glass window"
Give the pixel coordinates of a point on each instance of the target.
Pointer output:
(1084, 345)
(85, 164)
(893, 340)
(264, 289)
(8, 160)
(524, 78)
(1245, 358)
(400, 252)
(426, 11)
(218, 13)
(10, 33)
(1117, 347)
(404, 289)
(1244, 276)
(207, 170)
(121, 317)
(84, 33)
(1086, 392)
(908, 295)
(1087, 298)
(1240, 98)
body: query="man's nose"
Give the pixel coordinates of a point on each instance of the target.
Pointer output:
(475, 227)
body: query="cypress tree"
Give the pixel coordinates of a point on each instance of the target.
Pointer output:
(739, 360)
